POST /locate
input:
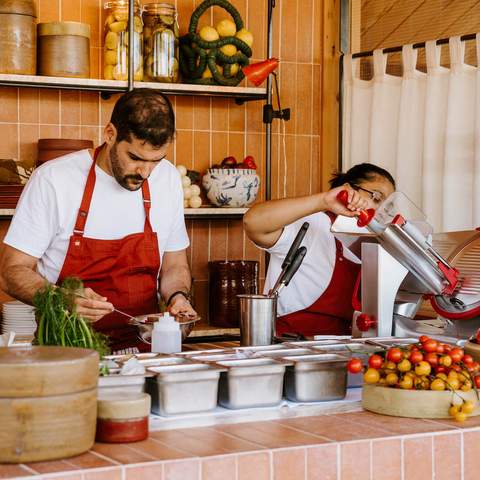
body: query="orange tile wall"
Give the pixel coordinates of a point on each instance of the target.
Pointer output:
(207, 129)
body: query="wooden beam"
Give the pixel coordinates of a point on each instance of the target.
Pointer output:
(329, 160)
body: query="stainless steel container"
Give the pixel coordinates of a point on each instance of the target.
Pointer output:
(283, 352)
(256, 382)
(120, 384)
(180, 389)
(316, 378)
(257, 319)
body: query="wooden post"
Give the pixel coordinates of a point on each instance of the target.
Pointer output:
(329, 160)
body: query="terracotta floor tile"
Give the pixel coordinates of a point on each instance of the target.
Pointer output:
(89, 460)
(322, 462)
(145, 472)
(355, 461)
(289, 464)
(447, 456)
(386, 459)
(51, 466)
(471, 457)
(417, 458)
(271, 434)
(11, 471)
(219, 468)
(396, 425)
(182, 470)
(121, 453)
(109, 474)
(335, 428)
(158, 450)
(471, 422)
(253, 465)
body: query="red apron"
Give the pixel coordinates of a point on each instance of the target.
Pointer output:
(332, 313)
(125, 270)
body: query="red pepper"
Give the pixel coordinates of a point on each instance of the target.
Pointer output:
(258, 72)
(229, 162)
(249, 162)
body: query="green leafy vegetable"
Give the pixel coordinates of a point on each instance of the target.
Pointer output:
(59, 323)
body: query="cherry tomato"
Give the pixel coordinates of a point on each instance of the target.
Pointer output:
(371, 376)
(375, 361)
(424, 338)
(456, 368)
(249, 162)
(441, 348)
(354, 365)
(475, 366)
(447, 348)
(440, 369)
(456, 354)
(423, 368)
(432, 359)
(468, 360)
(394, 355)
(415, 356)
(445, 360)
(477, 381)
(430, 345)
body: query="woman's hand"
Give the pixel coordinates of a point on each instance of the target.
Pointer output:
(92, 306)
(356, 202)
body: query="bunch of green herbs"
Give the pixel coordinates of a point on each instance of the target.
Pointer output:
(60, 324)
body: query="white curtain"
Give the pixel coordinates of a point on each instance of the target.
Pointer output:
(423, 128)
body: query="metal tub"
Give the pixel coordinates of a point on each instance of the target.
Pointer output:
(255, 382)
(119, 384)
(283, 352)
(180, 389)
(316, 378)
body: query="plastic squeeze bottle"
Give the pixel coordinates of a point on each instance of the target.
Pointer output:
(166, 335)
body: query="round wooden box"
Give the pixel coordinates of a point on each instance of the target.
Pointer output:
(48, 402)
(413, 403)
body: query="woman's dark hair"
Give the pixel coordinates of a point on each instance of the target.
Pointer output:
(362, 172)
(146, 114)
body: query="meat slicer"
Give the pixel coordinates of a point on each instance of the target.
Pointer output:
(404, 264)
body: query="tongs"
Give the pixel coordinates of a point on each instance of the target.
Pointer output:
(292, 262)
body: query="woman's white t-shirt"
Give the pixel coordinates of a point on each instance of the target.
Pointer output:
(47, 210)
(315, 273)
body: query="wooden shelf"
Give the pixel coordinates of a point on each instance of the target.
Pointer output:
(114, 86)
(205, 212)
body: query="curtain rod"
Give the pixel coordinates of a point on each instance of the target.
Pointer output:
(442, 41)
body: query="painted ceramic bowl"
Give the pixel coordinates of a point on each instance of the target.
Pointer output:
(231, 187)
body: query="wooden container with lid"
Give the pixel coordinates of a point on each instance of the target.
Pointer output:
(50, 148)
(64, 49)
(48, 402)
(18, 37)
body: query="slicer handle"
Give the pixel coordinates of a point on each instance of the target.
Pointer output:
(365, 322)
(364, 217)
(295, 245)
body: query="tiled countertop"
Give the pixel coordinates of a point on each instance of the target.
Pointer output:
(342, 446)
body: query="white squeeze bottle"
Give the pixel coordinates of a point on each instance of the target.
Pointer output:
(166, 335)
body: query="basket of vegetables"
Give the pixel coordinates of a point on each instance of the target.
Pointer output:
(215, 55)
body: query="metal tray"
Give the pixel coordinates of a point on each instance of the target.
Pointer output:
(283, 352)
(254, 382)
(193, 353)
(316, 378)
(121, 383)
(313, 343)
(181, 389)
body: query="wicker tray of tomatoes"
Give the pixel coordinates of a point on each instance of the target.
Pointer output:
(428, 379)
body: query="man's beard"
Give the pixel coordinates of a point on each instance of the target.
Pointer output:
(129, 182)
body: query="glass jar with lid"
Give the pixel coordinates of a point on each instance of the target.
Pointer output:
(160, 37)
(115, 55)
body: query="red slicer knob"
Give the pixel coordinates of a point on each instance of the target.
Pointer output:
(365, 322)
(364, 217)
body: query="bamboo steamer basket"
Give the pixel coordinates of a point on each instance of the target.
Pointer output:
(64, 49)
(18, 37)
(48, 402)
(413, 403)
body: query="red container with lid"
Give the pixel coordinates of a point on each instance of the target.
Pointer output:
(123, 417)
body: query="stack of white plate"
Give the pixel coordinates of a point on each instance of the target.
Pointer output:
(19, 318)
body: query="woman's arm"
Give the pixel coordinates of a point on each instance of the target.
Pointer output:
(264, 222)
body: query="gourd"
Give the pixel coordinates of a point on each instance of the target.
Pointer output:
(197, 55)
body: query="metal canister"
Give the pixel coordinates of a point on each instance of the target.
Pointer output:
(257, 319)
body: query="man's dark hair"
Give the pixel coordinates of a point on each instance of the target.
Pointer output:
(360, 173)
(146, 114)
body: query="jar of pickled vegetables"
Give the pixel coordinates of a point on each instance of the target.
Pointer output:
(160, 42)
(115, 59)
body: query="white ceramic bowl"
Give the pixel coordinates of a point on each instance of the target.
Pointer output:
(231, 187)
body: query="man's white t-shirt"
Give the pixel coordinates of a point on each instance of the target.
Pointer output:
(315, 273)
(47, 210)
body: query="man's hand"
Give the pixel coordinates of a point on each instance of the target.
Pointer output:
(356, 202)
(180, 305)
(93, 307)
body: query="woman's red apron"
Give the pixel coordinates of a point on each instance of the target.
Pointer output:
(125, 270)
(332, 313)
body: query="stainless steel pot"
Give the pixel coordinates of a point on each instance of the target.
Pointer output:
(257, 319)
